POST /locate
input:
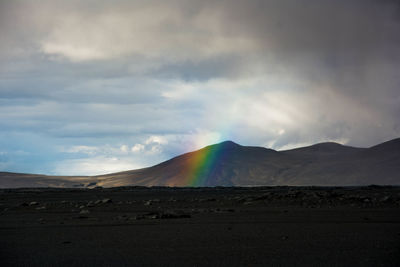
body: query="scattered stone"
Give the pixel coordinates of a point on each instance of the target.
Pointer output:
(122, 217)
(174, 215)
(106, 201)
(82, 207)
(84, 212)
(208, 200)
(263, 196)
(147, 203)
(24, 204)
(33, 203)
(385, 199)
(155, 216)
(162, 215)
(97, 202)
(41, 208)
(284, 237)
(90, 204)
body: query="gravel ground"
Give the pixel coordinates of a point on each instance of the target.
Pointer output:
(263, 226)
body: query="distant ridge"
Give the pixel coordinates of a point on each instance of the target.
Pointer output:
(231, 164)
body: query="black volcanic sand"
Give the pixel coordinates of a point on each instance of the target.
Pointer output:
(265, 226)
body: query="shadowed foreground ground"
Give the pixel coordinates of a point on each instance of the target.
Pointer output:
(136, 226)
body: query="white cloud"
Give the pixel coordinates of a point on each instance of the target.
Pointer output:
(89, 150)
(137, 148)
(156, 139)
(94, 166)
(124, 149)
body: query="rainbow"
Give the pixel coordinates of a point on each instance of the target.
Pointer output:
(201, 164)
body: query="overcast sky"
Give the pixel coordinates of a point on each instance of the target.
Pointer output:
(90, 87)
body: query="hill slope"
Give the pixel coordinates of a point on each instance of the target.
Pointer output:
(230, 164)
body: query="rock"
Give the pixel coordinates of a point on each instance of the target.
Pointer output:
(208, 200)
(82, 207)
(90, 204)
(385, 199)
(138, 217)
(41, 208)
(122, 217)
(84, 212)
(174, 215)
(97, 202)
(147, 203)
(33, 203)
(263, 196)
(106, 200)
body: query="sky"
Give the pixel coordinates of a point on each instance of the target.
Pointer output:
(93, 87)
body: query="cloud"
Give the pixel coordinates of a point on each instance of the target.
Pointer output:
(155, 30)
(137, 148)
(94, 166)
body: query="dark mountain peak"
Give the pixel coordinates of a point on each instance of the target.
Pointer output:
(388, 145)
(327, 145)
(324, 148)
(229, 143)
(225, 145)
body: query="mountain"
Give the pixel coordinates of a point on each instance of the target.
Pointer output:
(18, 180)
(230, 164)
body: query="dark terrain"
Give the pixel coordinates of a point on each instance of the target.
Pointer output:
(230, 164)
(263, 226)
